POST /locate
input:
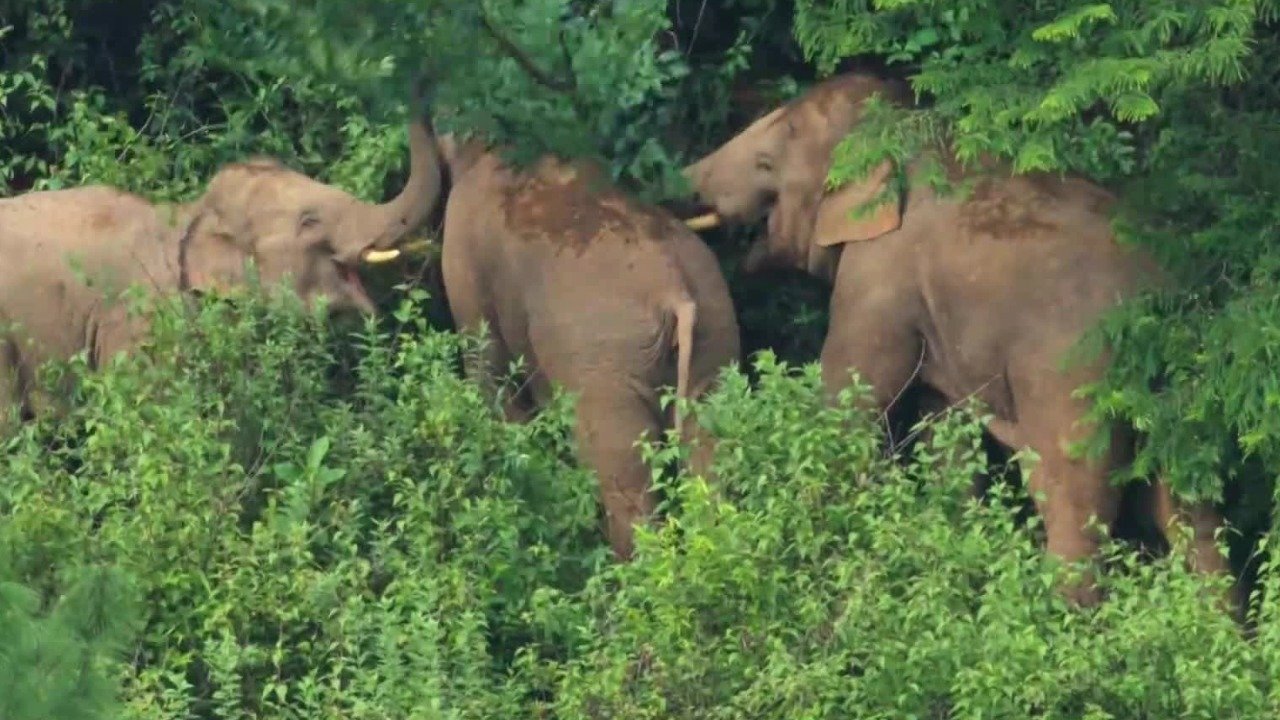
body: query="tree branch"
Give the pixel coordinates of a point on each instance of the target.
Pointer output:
(541, 76)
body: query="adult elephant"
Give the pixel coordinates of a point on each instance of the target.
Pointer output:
(976, 295)
(599, 294)
(67, 253)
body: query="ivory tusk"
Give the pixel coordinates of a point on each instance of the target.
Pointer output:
(418, 245)
(375, 257)
(703, 222)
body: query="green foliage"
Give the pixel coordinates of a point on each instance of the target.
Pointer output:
(1050, 85)
(301, 553)
(155, 96)
(192, 84)
(185, 113)
(542, 76)
(310, 540)
(52, 659)
(399, 551)
(828, 581)
(1172, 104)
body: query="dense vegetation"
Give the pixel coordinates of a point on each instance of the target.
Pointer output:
(263, 517)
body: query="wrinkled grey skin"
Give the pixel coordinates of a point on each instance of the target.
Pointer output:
(294, 230)
(973, 296)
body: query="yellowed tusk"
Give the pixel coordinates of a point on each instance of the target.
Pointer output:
(375, 257)
(704, 222)
(418, 245)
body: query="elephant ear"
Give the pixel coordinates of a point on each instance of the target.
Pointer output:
(213, 257)
(844, 215)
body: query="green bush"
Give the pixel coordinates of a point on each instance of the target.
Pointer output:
(325, 531)
(52, 659)
(302, 552)
(396, 550)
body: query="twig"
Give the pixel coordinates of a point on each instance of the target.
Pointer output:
(693, 37)
(884, 416)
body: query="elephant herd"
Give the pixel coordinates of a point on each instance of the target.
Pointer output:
(613, 299)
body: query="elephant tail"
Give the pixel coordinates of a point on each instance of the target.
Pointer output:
(686, 312)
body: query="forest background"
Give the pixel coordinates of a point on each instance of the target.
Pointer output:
(228, 528)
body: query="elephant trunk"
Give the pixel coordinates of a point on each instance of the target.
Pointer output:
(708, 218)
(400, 215)
(757, 257)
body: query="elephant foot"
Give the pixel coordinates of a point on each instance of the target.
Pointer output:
(621, 539)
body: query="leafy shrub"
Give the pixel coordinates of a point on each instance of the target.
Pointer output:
(829, 581)
(300, 552)
(313, 540)
(396, 550)
(51, 660)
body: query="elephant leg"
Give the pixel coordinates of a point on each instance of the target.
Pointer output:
(1073, 495)
(930, 408)
(610, 420)
(885, 354)
(702, 449)
(11, 399)
(42, 395)
(486, 364)
(516, 410)
(518, 405)
(1203, 556)
(474, 316)
(117, 333)
(1077, 504)
(700, 441)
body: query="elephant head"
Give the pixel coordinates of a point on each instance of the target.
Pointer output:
(777, 168)
(295, 229)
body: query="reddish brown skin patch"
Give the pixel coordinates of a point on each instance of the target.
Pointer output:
(102, 219)
(840, 89)
(995, 212)
(1015, 208)
(575, 207)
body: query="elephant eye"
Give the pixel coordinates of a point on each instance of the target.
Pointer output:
(764, 163)
(308, 220)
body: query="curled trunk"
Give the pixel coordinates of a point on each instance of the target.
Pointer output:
(394, 219)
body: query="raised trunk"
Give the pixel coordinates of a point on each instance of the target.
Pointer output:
(397, 217)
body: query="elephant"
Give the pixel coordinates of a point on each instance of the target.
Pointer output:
(68, 252)
(598, 294)
(975, 294)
